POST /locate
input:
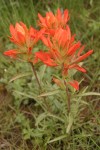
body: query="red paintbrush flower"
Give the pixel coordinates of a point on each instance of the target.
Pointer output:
(24, 38)
(63, 52)
(52, 22)
(21, 35)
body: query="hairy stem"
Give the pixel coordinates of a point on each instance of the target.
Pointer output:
(35, 75)
(68, 96)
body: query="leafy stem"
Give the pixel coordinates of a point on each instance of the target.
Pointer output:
(46, 103)
(68, 96)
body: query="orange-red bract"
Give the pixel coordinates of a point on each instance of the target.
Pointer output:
(11, 53)
(24, 38)
(52, 22)
(63, 51)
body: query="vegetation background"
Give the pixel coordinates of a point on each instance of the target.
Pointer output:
(17, 109)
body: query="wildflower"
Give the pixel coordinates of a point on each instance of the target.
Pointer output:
(52, 22)
(63, 52)
(24, 38)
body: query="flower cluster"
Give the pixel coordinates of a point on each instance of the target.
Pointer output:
(63, 51)
(52, 22)
(25, 39)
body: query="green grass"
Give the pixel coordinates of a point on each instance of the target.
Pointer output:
(24, 123)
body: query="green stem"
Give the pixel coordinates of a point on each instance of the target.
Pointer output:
(68, 96)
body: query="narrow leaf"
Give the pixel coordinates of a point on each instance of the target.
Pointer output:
(19, 76)
(89, 94)
(58, 138)
(49, 93)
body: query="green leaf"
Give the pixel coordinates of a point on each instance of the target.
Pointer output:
(56, 117)
(30, 96)
(89, 94)
(26, 95)
(57, 139)
(43, 71)
(70, 122)
(19, 76)
(40, 118)
(49, 93)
